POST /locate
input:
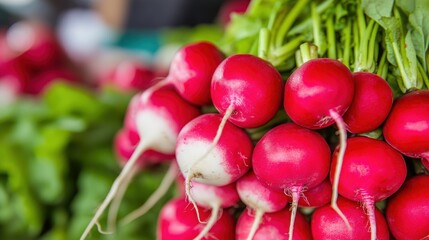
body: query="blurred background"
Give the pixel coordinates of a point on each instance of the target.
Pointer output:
(68, 69)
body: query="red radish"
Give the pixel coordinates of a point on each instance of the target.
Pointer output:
(41, 81)
(36, 43)
(160, 116)
(372, 101)
(203, 162)
(215, 198)
(130, 123)
(13, 77)
(315, 89)
(191, 71)
(326, 224)
(178, 220)
(247, 90)
(231, 7)
(124, 149)
(317, 94)
(291, 158)
(273, 226)
(372, 171)
(317, 196)
(129, 75)
(407, 126)
(407, 210)
(260, 199)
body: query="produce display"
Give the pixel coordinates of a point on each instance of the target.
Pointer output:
(299, 120)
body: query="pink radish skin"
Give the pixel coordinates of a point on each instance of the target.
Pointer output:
(225, 163)
(13, 78)
(407, 210)
(130, 123)
(191, 71)
(247, 90)
(229, 8)
(215, 198)
(326, 224)
(316, 196)
(407, 126)
(160, 116)
(129, 76)
(124, 149)
(372, 101)
(260, 199)
(316, 95)
(273, 226)
(314, 89)
(37, 84)
(372, 171)
(35, 43)
(178, 220)
(291, 158)
(214, 164)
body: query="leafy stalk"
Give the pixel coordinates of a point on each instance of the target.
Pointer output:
(330, 32)
(288, 21)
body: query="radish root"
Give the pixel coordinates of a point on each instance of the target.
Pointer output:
(343, 145)
(216, 211)
(368, 203)
(166, 182)
(116, 202)
(296, 192)
(191, 173)
(256, 222)
(141, 147)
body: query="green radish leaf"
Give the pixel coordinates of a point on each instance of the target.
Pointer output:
(406, 5)
(378, 9)
(393, 28)
(67, 100)
(410, 53)
(419, 28)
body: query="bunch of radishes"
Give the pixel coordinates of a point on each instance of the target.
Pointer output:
(297, 181)
(31, 58)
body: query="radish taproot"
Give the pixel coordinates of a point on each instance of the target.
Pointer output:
(407, 210)
(372, 171)
(316, 95)
(178, 220)
(326, 224)
(372, 101)
(160, 116)
(316, 196)
(291, 158)
(260, 199)
(407, 126)
(273, 226)
(201, 161)
(191, 71)
(216, 198)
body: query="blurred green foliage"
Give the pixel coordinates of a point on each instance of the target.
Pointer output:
(57, 164)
